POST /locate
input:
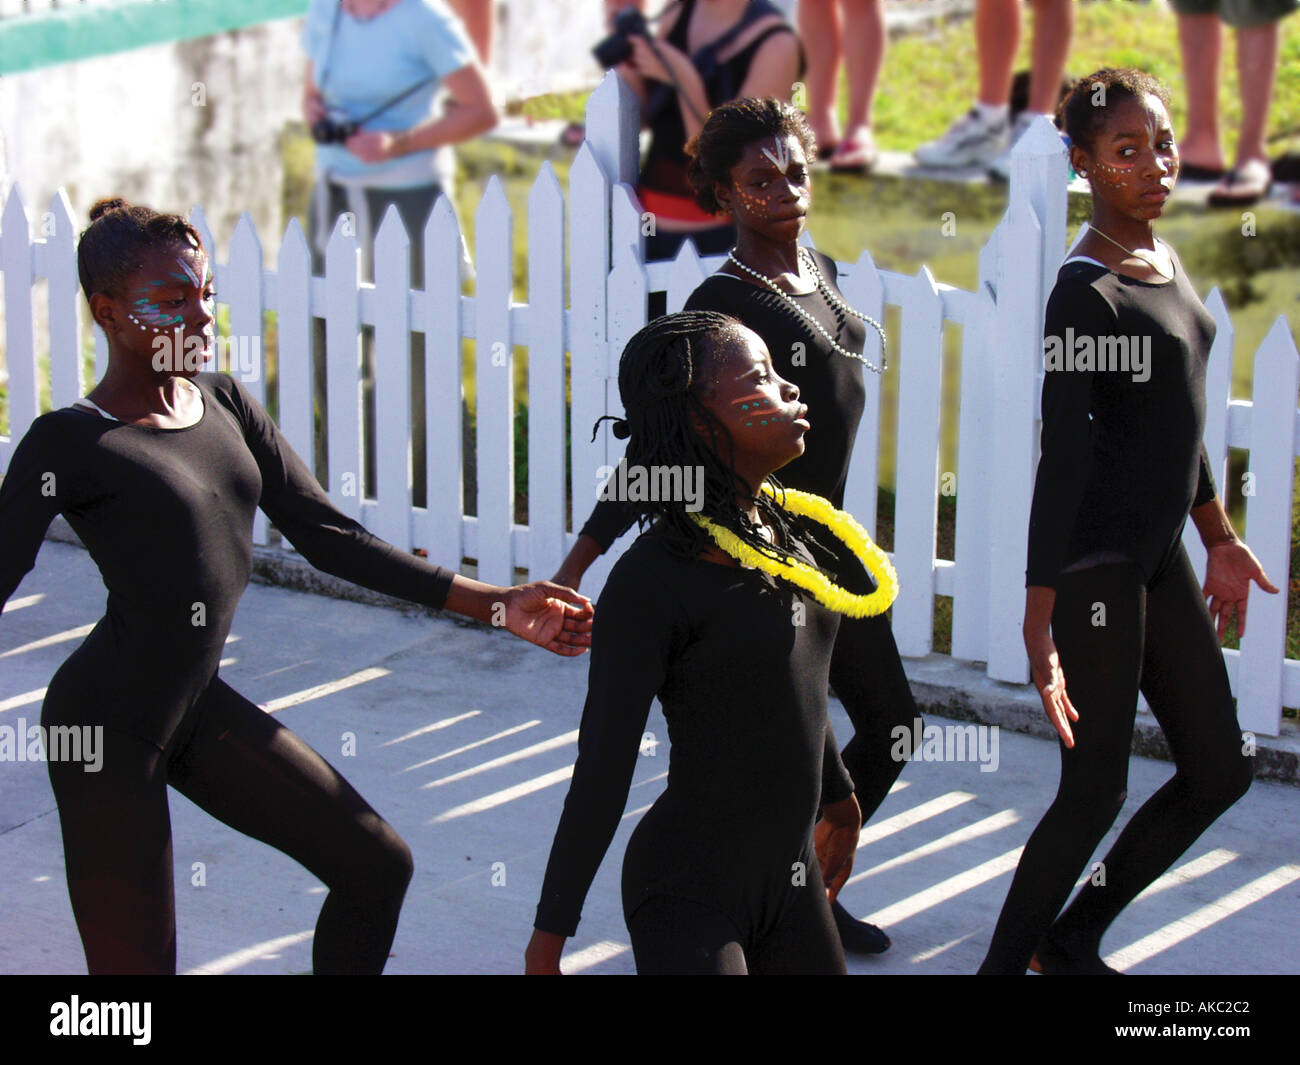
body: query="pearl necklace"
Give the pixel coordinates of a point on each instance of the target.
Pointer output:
(834, 300)
(1132, 253)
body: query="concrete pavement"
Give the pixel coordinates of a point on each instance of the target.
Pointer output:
(464, 740)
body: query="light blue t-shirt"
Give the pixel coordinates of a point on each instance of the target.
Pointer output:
(369, 61)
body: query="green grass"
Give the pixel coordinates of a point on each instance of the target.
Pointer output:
(929, 80)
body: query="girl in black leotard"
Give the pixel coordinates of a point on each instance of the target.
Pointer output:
(736, 168)
(720, 875)
(1112, 601)
(159, 472)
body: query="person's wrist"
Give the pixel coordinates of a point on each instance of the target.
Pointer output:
(399, 144)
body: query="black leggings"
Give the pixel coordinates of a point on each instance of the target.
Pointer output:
(673, 936)
(867, 676)
(1158, 638)
(239, 764)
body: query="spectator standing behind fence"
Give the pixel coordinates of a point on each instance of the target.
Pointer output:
(1200, 36)
(855, 31)
(704, 53)
(362, 56)
(985, 135)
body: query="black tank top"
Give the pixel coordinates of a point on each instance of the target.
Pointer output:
(665, 163)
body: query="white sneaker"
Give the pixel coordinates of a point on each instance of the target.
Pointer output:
(1001, 166)
(970, 141)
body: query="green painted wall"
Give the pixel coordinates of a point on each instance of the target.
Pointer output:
(64, 36)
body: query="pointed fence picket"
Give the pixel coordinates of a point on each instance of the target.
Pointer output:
(573, 340)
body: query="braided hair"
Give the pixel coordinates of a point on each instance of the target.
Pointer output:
(109, 249)
(665, 370)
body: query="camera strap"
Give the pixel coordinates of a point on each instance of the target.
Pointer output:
(329, 56)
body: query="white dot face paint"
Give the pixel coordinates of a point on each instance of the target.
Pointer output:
(1133, 142)
(155, 306)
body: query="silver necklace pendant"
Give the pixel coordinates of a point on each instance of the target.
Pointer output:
(831, 298)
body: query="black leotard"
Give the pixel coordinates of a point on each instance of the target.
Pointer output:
(167, 515)
(1122, 459)
(829, 383)
(743, 688)
(866, 671)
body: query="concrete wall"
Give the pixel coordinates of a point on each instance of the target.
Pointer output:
(169, 125)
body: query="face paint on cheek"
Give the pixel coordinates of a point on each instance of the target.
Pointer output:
(758, 205)
(1116, 177)
(148, 314)
(758, 412)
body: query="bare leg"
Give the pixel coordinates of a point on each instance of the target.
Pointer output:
(821, 30)
(864, 53)
(1200, 38)
(1257, 48)
(997, 36)
(1053, 31)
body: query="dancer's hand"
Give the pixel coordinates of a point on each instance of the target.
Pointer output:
(550, 616)
(1049, 679)
(1229, 569)
(542, 955)
(835, 839)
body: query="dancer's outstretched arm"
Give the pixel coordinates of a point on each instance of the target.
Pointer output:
(549, 615)
(635, 638)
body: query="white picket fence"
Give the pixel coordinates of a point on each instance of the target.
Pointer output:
(608, 283)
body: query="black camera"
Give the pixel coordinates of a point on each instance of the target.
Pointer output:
(327, 131)
(617, 47)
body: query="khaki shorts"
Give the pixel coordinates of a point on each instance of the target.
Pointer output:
(1241, 14)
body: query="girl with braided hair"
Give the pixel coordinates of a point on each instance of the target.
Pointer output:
(725, 874)
(751, 162)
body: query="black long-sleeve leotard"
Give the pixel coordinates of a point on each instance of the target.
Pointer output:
(866, 673)
(829, 383)
(1122, 458)
(739, 664)
(167, 515)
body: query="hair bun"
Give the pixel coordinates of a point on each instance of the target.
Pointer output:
(621, 429)
(106, 204)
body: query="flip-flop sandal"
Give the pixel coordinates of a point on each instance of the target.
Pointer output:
(1194, 172)
(1253, 182)
(853, 158)
(825, 151)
